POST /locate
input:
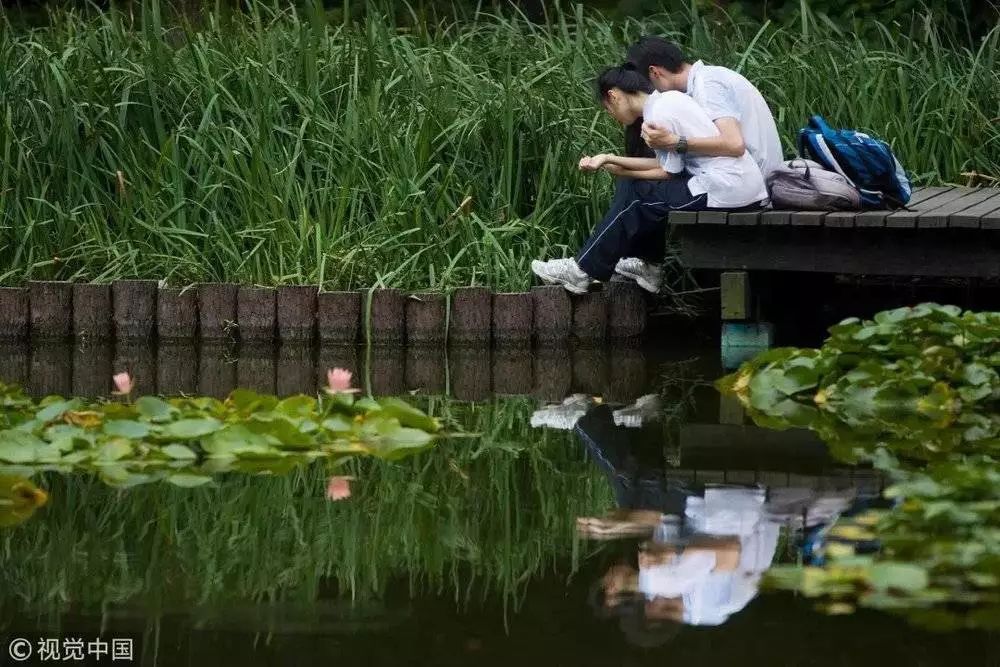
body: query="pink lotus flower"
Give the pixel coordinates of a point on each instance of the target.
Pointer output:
(338, 381)
(123, 383)
(338, 488)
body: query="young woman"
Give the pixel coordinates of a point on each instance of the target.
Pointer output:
(650, 187)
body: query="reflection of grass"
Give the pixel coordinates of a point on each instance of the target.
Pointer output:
(481, 515)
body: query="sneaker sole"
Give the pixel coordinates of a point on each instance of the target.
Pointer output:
(641, 282)
(570, 287)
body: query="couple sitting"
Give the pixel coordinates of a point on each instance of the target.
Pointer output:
(714, 141)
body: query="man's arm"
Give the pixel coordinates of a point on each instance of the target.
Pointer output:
(728, 143)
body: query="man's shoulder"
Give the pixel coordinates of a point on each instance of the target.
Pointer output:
(723, 75)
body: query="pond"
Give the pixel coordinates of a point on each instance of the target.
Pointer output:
(583, 507)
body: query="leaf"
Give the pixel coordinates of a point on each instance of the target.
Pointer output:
(187, 480)
(154, 409)
(19, 447)
(338, 424)
(281, 429)
(297, 406)
(179, 452)
(408, 415)
(126, 429)
(113, 450)
(236, 440)
(189, 429)
(898, 576)
(83, 418)
(56, 410)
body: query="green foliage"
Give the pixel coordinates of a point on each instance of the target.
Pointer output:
(279, 146)
(185, 440)
(481, 514)
(914, 392)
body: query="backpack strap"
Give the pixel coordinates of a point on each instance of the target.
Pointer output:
(821, 146)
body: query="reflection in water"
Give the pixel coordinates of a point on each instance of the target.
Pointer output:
(216, 369)
(705, 547)
(468, 553)
(19, 498)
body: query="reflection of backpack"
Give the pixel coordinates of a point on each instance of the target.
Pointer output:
(866, 162)
(805, 185)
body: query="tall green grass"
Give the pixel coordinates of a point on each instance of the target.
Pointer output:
(278, 146)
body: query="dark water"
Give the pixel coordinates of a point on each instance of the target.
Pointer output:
(468, 553)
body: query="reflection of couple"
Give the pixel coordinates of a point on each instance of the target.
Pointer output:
(705, 548)
(714, 141)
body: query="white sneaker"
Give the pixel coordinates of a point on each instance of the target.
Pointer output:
(563, 416)
(646, 408)
(647, 275)
(563, 272)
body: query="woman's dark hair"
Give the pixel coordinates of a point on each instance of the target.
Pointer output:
(624, 77)
(655, 51)
(635, 145)
(627, 79)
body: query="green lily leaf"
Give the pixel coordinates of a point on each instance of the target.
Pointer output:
(126, 429)
(189, 429)
(179, 452)
(154, 409)
(188, 480)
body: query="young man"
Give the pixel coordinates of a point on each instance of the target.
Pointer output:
(734, 104)
(633, 230)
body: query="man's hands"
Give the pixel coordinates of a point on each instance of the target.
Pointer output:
(659, 137)
(594, 163)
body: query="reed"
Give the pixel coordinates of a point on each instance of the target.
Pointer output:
(280, 146)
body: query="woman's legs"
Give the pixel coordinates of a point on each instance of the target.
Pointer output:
(634, 224)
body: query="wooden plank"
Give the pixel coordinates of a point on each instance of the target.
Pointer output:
(919, 196)
(808, 218)
(775, 217)
(907, 219)
(991, 220)
(971, 216)
(682, 218)
(941, 216)
(840, 218)
(886, 252)
(747, 218)
(712, 217)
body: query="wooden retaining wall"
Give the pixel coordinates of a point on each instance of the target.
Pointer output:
(469, 317)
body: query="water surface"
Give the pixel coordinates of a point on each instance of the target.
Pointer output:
(511, 543)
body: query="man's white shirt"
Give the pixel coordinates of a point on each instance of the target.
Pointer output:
(724, 93)
(729, 182)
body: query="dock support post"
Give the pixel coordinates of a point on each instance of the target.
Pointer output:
(742, 336)
(735, 295)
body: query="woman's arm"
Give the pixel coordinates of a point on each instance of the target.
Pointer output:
(630, 163)
(655, 174)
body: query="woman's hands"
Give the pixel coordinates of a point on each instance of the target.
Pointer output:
(596, 162)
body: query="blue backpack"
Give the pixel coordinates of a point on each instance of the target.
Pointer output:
(867, 162)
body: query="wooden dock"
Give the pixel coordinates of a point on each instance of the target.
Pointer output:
(949, 232)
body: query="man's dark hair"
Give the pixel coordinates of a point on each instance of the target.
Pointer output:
(655, 51)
